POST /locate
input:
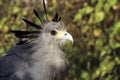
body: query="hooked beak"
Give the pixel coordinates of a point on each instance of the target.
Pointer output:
(64, 37)
(68, 37)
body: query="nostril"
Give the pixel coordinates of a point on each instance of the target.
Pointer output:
(65, 33)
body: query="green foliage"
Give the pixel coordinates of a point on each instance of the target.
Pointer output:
(94, 24)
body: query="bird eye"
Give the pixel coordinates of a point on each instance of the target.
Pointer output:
(53, 32)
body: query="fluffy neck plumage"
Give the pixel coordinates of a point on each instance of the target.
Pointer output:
(47, 49)
(50, 60)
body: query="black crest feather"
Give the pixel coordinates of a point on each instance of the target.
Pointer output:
(25, 34)
(56, 18)
(31, 23)
(45, 10)
(34, 34)
(38, 15)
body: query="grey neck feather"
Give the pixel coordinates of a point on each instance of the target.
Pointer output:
(46, 47)
(48, 50)
(50, 60)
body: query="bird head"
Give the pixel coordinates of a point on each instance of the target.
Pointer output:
(53, 31)
(56, 32)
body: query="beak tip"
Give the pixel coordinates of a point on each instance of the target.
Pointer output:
(69, 37)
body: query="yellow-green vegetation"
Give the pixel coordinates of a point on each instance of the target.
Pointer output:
(94, 24)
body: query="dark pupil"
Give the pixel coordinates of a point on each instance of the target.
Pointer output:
(53, 32)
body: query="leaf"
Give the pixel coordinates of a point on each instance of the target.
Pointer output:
(85, 75)
(115, 29)
(16, 9)
(99, 16)
(88, 9)
(109, 4)
(97, 32)
(99, 6)
(78, 16)
(112, 3)
(2, 22)
(107, 7)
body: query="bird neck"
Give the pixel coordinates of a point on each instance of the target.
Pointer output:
(47, 50)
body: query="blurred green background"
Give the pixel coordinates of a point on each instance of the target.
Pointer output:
(94, 24)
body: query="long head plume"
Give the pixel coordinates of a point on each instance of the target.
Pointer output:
(56, 18)
(45, 10)
(39, 16)
(23, 35)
